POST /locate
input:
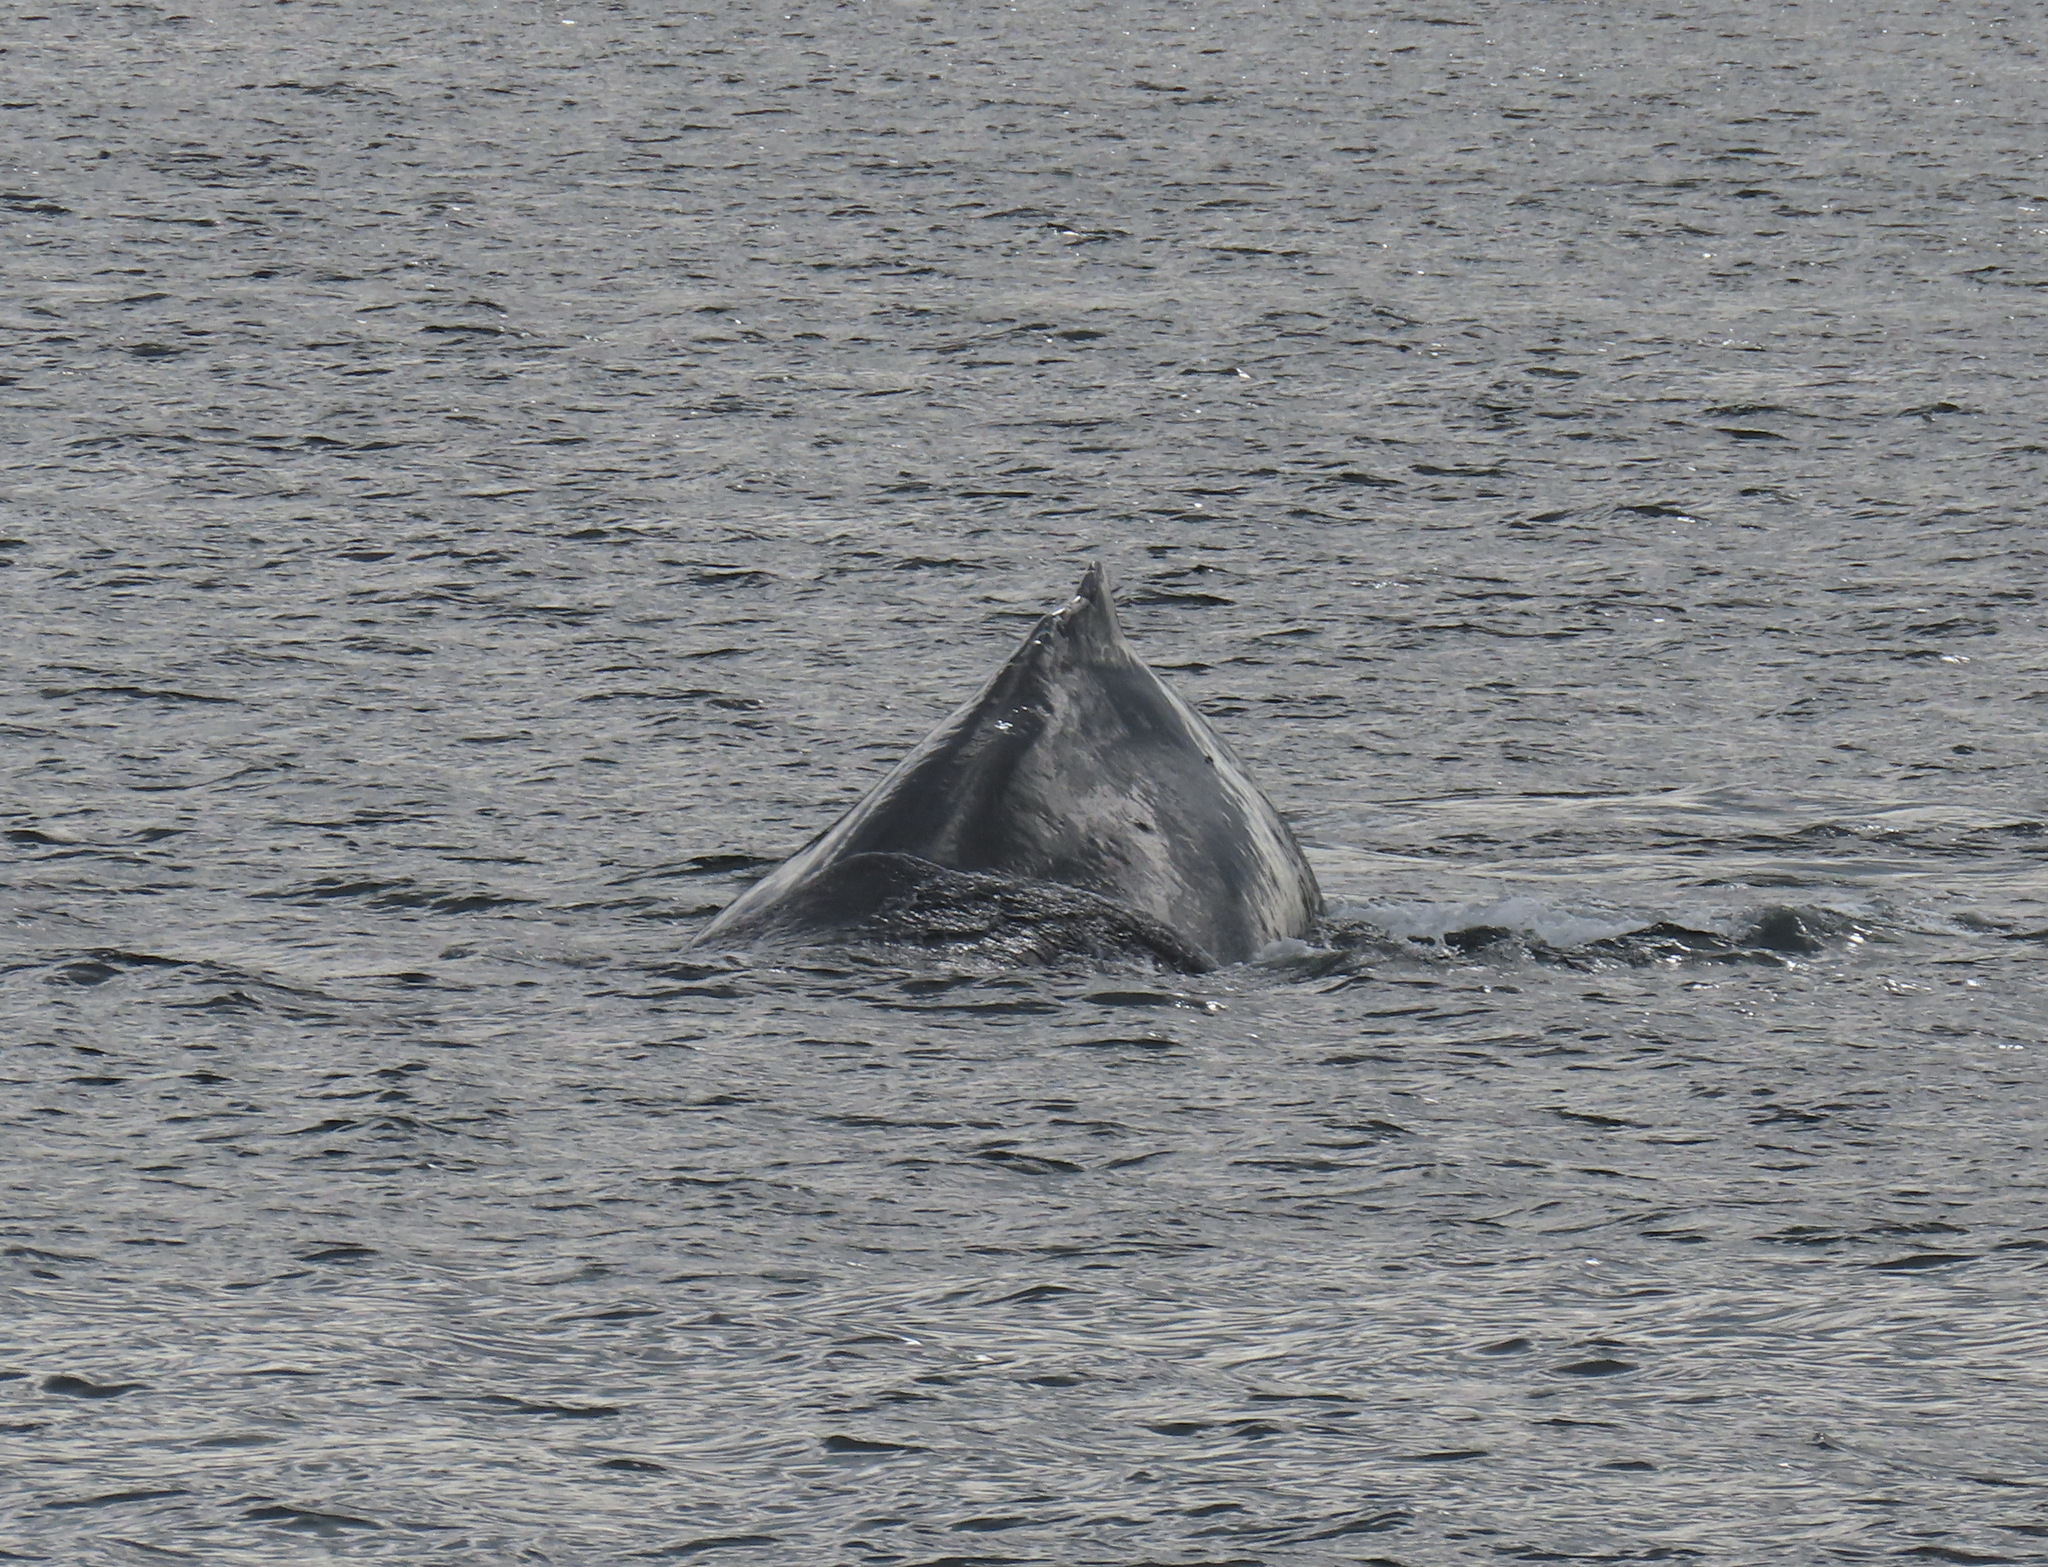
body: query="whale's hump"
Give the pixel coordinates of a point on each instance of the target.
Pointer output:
(1074, 767)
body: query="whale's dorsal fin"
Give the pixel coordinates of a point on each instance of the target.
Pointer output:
(1074, 766)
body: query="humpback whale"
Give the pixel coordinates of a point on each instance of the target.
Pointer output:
(1074, 808)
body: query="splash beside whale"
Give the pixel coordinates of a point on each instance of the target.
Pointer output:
(1074, 808)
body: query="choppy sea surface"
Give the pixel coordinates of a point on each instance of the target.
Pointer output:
(477, 483)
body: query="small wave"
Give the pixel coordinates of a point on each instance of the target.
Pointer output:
(1524, 916)
(399, 893)
(1525, 928)
(199, 983)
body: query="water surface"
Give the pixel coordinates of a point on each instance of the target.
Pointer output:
(477, 486)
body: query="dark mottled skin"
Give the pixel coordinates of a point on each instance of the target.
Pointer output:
(1074, 766)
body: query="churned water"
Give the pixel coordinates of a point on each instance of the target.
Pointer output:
(482, 481)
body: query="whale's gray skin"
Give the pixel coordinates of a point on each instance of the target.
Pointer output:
(1076, 790)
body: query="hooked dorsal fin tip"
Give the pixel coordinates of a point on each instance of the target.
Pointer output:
(1094, 586)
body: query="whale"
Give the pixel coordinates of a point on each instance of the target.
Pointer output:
(1074, 808)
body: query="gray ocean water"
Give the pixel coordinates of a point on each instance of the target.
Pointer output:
(477, 483)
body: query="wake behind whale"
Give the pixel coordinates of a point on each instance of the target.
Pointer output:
(1075, 808)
